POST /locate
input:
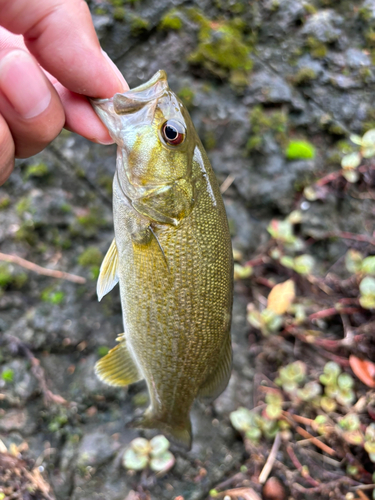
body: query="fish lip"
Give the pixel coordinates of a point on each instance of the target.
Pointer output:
(133, 99)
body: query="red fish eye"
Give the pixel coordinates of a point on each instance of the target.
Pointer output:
(173, 132)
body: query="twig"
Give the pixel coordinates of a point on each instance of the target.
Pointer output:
(41, 270)
(302, 432)
(297, 464)
(265, 282)
(362, 495)
(347, 236)
(270, 460)
(324, 313)
(38, 372)
(315, 441)
(227, 183)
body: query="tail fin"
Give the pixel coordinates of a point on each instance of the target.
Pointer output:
(180, 435)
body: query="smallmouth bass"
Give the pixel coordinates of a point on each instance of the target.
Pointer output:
(172, 257)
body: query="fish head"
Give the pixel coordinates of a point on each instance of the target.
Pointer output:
(156, 139)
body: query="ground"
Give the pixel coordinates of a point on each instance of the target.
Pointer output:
(259, 78)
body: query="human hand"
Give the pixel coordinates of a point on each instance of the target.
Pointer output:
(50, 59)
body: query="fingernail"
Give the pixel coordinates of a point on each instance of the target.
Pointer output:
(23, 84)
(118, 73)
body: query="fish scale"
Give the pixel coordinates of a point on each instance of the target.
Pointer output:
(172, 257)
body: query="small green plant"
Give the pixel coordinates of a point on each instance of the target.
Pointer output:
(303, 264)
(356, 263)
(291, 376)
(253, 426)
(350, 426)
(338, 387)
(283, 232)
(267, 321)
(367, 290)
(370, 441)
(154, 454)
(242, 272)
(350, 162)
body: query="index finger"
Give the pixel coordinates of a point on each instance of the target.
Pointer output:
(61, 36)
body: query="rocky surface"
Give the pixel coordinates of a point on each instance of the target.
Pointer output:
(306, 72)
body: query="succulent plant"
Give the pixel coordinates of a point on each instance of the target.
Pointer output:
(266, 321)
(338, 387)
(367, 289)
(154, 454)
(290, 376)
(370, 441)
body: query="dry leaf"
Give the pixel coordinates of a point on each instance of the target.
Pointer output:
(363, 369)
(281, 297)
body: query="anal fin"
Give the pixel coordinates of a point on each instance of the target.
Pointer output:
(217, 381)
(108, 276)
(117, 368)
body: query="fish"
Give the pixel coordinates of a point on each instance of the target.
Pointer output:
(172, 257)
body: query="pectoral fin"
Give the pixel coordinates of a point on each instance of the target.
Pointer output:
(108, 277)
(217, 381)
(117, 367)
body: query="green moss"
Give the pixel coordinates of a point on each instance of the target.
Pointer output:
(222, 47)
(370, 37)
(365, 14)
(119, 14)
(87, 225)
(102, 351)
(138, 25)
(317, 49)
(52, 296)
(187, 96)
(261, 122)
(23, 205)
(303, 76)
(6, 276)
(255, 142)
(26, 233)
(92, 256)
(11, 277)
(336, 129)
(209, 140)
(299, 150)
(365, 74)
(7, 375)
(36, 170)
(171, 21)
(4, 202)
(234, 7)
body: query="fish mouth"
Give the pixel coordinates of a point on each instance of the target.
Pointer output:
(135, 99)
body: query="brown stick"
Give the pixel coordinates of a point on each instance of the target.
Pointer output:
(297, 464)
(315, 441)
(42, 270)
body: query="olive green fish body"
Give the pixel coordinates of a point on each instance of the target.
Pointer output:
(173, 260)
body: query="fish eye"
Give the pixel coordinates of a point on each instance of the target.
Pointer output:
(173, 132)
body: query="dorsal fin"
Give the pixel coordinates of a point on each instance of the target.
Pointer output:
(108, 276)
